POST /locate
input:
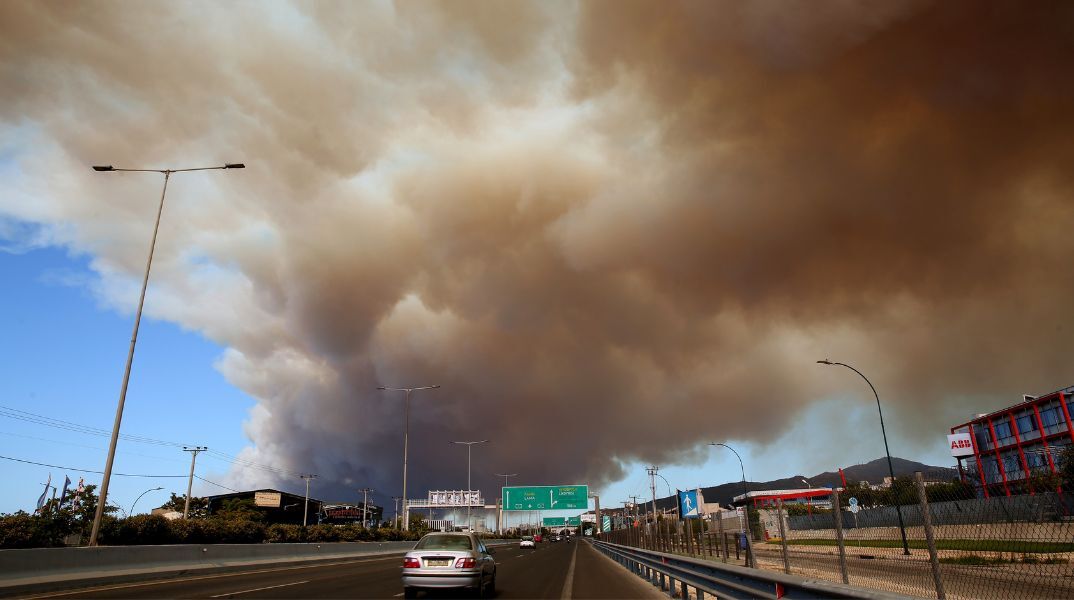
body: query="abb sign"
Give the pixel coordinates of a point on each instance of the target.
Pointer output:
(960, 444)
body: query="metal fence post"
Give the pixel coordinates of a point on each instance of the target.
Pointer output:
(783, 536)
(837, 513)
(719, 527)
(923, 500)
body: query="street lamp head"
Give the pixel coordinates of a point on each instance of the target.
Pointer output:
(234, 166)
(825, 361)
(103, 168)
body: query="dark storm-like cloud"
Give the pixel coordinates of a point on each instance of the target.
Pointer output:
(613, 229)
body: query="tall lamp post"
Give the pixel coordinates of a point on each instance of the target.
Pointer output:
(406, 436)
(745, 496)
(103, 497)
(140, 497)
(503, 509)
(884, 433)
(469, 445)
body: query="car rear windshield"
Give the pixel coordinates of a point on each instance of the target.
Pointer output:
(528, 538)
(444, 542)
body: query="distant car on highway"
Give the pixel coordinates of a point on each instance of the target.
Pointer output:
(526, 542)
(449, 560)
(554, 538)
(537, 538)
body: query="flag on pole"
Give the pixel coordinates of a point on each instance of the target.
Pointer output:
(44, 494)
(78, 492)
(66, 483)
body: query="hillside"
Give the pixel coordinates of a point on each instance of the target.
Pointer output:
(873, 471)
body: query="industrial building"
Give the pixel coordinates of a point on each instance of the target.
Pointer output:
(1000, 452)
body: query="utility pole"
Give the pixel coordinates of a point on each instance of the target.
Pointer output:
(190, 482)
(634, 500)
(396, 520)
(365, 504)
(652, 471)
(306, 510)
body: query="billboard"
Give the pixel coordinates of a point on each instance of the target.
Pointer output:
(268, 499)
(546, 497)
(960, 444)
(455, 498)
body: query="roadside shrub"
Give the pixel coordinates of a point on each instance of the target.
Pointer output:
(280, 533)
(322, 533)
(22, 530)
(189, 531)
(140, 530)
(234, 531)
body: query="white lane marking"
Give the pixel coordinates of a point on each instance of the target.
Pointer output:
(397, 595)
(200, 577)
(568, 584)
(271, 587)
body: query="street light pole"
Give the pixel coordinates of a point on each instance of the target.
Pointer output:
(745, 499)
(406, 436)
(140, 497)
(503, 508)
(103, 497)
(396, 520)
(306, 509)
(884, 433)
(469, 445)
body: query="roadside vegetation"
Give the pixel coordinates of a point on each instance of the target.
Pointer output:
(238, 523)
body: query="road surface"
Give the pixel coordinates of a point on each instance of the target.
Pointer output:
(553, 570)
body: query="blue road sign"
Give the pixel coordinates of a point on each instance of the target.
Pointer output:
(688, 505)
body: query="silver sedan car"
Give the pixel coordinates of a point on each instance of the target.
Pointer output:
(449, 560)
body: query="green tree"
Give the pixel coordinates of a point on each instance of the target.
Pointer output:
(199, 505)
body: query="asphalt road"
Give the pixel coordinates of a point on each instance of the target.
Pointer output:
(553, 570)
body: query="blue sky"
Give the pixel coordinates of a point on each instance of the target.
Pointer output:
(63, 357)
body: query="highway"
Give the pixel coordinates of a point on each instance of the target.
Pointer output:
(553, 570)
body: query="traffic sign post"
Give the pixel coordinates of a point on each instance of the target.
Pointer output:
(546, 497)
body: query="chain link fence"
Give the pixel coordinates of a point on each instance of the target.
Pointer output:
(915, 537)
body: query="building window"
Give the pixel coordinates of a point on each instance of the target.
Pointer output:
(984, 440)
(1052, 420)
(1004, 436)
(1027, 426)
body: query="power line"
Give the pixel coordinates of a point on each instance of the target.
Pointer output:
(216, 484)
(22, 415)
(30, 462)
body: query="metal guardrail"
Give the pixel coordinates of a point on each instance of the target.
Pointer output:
(678, 575)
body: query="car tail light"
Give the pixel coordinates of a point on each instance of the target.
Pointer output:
(464, 563)
(411, 563)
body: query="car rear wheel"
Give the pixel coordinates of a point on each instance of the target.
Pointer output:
(409, 592)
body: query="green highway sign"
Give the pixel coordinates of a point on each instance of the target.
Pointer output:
(561, 521)
(546, 497)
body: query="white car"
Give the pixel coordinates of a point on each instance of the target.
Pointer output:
(527, 542)
(450, 560)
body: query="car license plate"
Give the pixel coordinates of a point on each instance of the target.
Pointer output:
(438, 562)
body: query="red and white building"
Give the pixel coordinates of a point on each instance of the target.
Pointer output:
(998, 451)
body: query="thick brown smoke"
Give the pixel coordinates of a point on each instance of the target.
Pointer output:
(613, 229)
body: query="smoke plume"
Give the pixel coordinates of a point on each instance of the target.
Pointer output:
(610, 230)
